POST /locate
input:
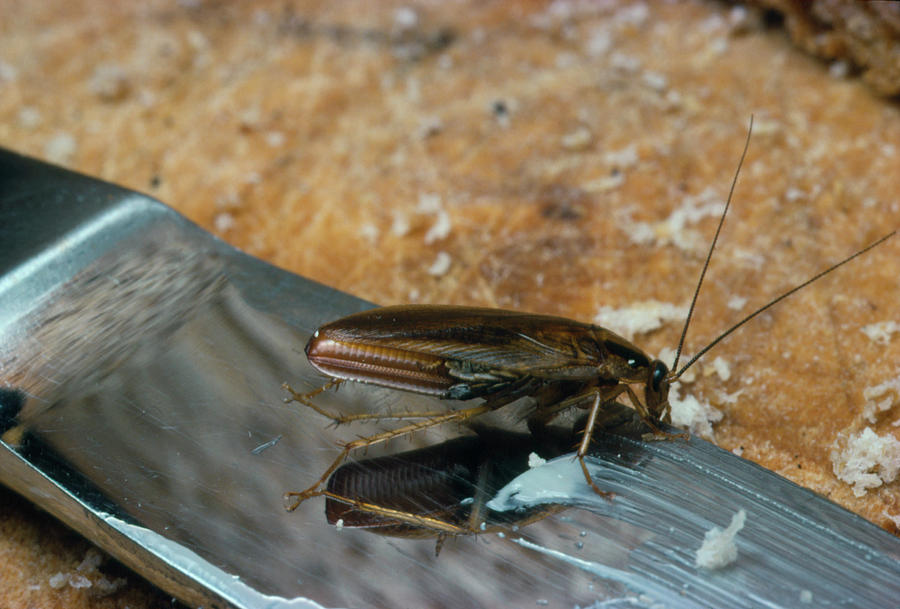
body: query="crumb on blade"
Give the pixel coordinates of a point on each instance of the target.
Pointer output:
(719, 549)
(534, 460)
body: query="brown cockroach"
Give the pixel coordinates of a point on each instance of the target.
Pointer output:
(441, 490)
(462, 353)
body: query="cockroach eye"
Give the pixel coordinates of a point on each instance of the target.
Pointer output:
(659, 373)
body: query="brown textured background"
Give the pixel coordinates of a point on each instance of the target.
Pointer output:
(332, 138)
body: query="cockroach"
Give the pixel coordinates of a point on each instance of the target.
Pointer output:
(463, 353)
(442, 490)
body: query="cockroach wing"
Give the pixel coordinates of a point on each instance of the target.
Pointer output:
(508, 343)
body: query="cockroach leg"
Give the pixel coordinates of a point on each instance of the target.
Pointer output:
(439, 544)
(426, 522)
(600, 400)
(440, 528)
(388, 416)
(293, 499)
(650, 421)
(306, 399)
(587, 434)
(660, 435)
(340, 419)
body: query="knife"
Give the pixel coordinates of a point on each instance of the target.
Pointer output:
(141, 364)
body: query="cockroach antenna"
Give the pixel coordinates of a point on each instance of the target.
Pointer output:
(676, 373)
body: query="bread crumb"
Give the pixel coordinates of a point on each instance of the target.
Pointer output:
(625, 63)
(369, 232)
(737, 303)
(224, 222)
(275, 139)
(429, 203)
(674, 230)
(604, 184)
(106, 587)
(767, 126)
(632, 15)
(92, 559)
(895, 519)
(79, 581)
(881, 332)
(718, 367)
(110, 83)
(405, 18)
(719, 549)
(865, 460)
(441, 264)
(58, 580)
(579, 139)
(738, 18)
(440, 229)
(599, 42)
(690, 413)
(729, 398)
(400, 225)
(429, 127)
(29, 117)
(889, 391)
(639, 318)
(795, 194)
(60, 149)
(623, 159)
(8, 72)
(839, 69)
(656, 81)
(535, 461)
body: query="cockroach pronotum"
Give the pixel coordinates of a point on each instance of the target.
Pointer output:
(462, 353)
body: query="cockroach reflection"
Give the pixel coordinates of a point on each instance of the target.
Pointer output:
(463, 353)
(443, 490)
(439, 491)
